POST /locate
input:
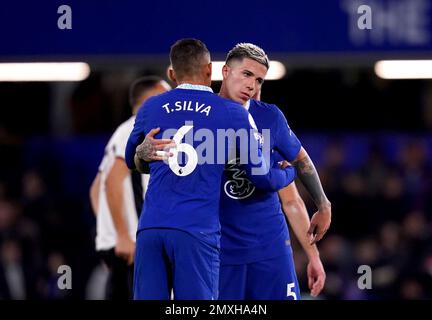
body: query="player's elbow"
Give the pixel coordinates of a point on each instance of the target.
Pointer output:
(293, 205)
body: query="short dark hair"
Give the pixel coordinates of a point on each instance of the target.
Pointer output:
(140, 86)
(248, 50)
(186, 56)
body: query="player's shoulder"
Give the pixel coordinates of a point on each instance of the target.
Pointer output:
(213, 98)
(269, 107)
(233, 107)
(126, 126)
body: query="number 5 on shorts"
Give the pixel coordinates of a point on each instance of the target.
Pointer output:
(192, 157)
(290, 292)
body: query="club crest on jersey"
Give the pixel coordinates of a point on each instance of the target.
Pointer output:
(259, 137)
(238, 186)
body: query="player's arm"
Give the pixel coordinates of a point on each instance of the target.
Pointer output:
(308, 175)
(125, 247)
(290, 149)
(257, 166)
(151, 149)
(134, 140)
(272, 179)
(136, 137)
(94, 194)
(298, 218)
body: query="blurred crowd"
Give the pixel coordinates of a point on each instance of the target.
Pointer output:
(382, 218)
(41, 228)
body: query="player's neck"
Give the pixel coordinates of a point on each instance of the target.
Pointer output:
(193, 81)
(223, 91)
(224, 94)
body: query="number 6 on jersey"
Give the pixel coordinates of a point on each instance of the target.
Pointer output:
(192, 157)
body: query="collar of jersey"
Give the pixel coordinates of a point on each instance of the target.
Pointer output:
(189, 86)
(247, 105)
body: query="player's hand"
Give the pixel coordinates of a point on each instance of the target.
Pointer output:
(283, 164)
(320, 223)
(316, 276)
(125, 248)
(151, 149)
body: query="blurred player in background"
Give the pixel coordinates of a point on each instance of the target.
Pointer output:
(117, 196)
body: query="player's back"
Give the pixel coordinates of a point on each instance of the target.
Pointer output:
(184, 193)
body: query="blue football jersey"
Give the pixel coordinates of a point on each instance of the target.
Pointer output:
(184, 192)
(253, 225)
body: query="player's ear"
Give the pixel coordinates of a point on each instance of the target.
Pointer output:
(171, 75)
(209, 70)
(225, 70)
